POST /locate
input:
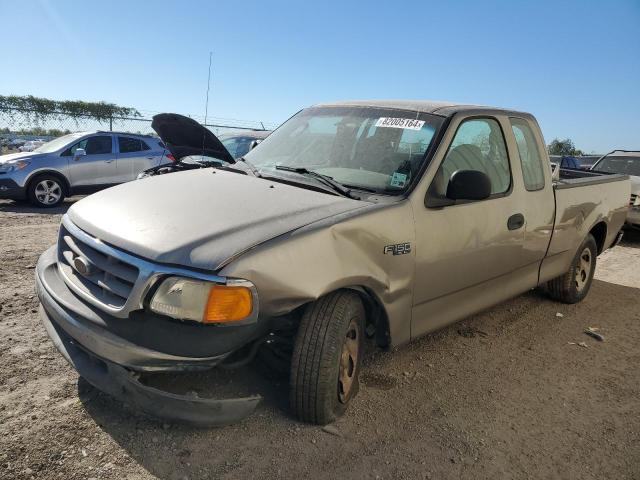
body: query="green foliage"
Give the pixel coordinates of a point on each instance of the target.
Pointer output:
(40, 132)
(564, 147)
(40, 109)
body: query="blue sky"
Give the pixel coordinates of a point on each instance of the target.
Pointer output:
(574, 64)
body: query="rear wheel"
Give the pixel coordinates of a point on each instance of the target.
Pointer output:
(326, 358)
(46, 191)
(574, 285)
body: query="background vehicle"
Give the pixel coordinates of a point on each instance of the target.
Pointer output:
(388, 217)
(626, 162)
(17, 143)
(31, 145)
(77, 163)
(176, 131)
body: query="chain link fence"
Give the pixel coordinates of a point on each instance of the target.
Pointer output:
(19, 126)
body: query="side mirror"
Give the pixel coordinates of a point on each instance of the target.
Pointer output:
(469, 185)
(80, 152)
(254, 144)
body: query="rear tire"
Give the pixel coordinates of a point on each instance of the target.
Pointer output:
(573, 286)
(326, 357)
(46, 191)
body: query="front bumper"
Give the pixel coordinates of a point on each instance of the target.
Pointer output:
(11, 190)
(108, 361)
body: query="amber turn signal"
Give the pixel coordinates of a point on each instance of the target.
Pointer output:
(228, 304)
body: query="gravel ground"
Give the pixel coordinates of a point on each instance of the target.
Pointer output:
(502, 394)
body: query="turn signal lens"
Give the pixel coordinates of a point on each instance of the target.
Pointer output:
(228, 304)
(201, 301)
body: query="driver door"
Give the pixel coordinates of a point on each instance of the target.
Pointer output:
(97, 166)
(468, 253)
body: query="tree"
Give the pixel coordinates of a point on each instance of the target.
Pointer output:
(37, 109)
(564, 147)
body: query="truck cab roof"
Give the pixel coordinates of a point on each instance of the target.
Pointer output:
(435, 107)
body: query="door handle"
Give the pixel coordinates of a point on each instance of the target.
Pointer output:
(515, 221)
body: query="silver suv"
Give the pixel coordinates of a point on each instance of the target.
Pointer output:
(77, 163)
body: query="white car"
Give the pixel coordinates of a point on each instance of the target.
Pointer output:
(626, 162)
(31, 145)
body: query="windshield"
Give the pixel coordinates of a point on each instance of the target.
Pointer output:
(626, 165)
(371, 148)
(58, 143)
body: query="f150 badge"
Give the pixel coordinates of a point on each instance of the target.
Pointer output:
(398, 249)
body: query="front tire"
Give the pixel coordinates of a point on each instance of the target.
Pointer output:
(46, 191)
(326, 358)
(574, 285)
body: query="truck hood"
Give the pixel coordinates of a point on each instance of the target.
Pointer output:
(184, 136)
(201, 218)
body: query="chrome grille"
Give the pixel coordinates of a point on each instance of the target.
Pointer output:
(107, 279)
(632, 201)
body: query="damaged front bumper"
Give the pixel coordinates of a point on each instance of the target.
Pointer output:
(109, 362)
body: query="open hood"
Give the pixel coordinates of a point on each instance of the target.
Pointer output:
(184, 136)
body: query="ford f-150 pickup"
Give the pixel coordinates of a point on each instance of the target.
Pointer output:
(366, 219)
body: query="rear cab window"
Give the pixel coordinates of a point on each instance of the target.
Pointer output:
(530, 158)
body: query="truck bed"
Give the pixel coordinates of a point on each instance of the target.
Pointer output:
(570, 178)
(584, 200)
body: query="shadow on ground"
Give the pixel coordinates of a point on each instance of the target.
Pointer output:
(631, 238)
(13, 206)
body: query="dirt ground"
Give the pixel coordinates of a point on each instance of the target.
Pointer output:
(502, 394)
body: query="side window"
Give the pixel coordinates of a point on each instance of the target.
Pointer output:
(98, 145)
(478, 145)
(91, 145)
(128, 145)
(529, 153)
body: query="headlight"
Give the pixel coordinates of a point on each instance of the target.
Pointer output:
(206, 302)
(13, 166)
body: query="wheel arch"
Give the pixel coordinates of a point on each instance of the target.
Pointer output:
(376, 314)
(65, 182)
(599, 232)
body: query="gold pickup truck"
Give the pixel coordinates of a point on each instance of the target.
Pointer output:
(381, 220)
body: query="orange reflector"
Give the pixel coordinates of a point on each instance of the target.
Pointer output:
(227, 304)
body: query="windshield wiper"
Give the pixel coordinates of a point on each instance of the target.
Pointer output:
(251, 166)
(326, 179)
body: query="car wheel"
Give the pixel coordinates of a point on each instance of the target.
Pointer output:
(326, 357)
(574, 285)
(46, 191)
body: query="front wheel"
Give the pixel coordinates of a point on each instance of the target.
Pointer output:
(46, 191)
(326, 357)
(574, 285)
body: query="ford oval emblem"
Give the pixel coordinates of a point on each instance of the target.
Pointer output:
(82, 266)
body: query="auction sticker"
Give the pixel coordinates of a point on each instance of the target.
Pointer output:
(407, 123)
(398, 180)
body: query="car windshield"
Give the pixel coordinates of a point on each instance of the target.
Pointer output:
(58, 143)
(359, 147)
(238, 146)
(625, 164)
